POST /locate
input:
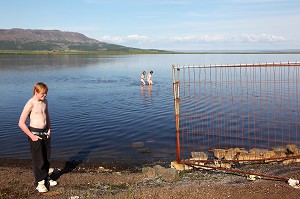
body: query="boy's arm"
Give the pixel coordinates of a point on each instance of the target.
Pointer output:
(48, 121)
(22, 121)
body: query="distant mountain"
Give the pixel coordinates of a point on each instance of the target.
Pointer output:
(54, 40)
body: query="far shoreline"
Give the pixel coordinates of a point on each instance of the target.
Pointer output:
(16, 52)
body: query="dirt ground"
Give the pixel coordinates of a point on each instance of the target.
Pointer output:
(119, 180)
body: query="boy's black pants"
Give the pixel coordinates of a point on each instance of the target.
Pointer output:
(40, 151)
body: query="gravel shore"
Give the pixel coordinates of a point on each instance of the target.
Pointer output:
(123, 180)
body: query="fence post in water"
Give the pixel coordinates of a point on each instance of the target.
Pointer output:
(176, 87)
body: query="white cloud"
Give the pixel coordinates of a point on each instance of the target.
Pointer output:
(137, 38)
(228, 38)
(252, 38)
(198, 38)
(217, 41)
(120, 40)
(111, 39)
(261, 38)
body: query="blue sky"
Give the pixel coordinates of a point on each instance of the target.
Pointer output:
(166, 24)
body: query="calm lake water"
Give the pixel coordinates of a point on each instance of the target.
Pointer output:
(97, 106)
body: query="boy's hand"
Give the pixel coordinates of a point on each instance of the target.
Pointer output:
(48, 133)
(35, 138)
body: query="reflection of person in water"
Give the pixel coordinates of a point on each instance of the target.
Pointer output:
(143, 91)
(143, 78)
(149, 76)
(146, 92)
(150, 90)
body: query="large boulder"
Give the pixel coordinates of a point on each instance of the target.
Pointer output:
(199, 155)
(170, 175)
(159, 170)
(149, 172)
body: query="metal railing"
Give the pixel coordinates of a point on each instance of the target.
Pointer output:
(244, 106)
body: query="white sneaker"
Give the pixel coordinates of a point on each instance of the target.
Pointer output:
(41, 187)
(52, 182)
(51, 170)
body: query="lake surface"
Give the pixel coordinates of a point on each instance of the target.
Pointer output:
(97, 106)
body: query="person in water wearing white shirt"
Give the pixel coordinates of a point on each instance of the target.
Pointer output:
(143, 77)
(149, 76)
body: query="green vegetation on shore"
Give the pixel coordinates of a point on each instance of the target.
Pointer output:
(138, 52)
(83, 52)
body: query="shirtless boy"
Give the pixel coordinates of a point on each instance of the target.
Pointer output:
(149, 76)
(38, 132)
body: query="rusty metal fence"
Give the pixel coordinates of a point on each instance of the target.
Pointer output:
(240, 107)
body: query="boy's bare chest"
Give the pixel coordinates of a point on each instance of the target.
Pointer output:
(38, 108)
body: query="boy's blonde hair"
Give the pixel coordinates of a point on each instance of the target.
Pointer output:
(40, 87)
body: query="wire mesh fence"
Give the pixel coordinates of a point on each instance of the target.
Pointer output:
(242, 107)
